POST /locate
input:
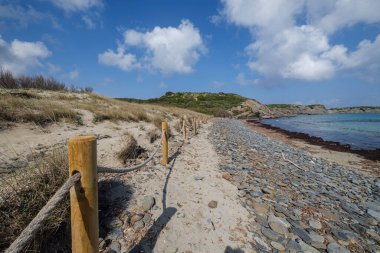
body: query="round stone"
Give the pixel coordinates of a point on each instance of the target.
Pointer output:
(277, 245)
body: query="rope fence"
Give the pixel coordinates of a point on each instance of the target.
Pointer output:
(82, 185)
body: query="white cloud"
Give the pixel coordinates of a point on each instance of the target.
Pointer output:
(167, 49)
(20, 16)
(333, 15)
(77, 5)
(119, 59)
(291, 37)
(74, 74)
(19, 56)
(90, 24)
(271, 15)
(243, 81)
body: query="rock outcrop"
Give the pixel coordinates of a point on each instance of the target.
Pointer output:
(251, 109)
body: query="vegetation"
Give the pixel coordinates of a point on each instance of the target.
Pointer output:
(25, 192)
(8, 81)
(209, 103)
(130, 149)
(44, 107)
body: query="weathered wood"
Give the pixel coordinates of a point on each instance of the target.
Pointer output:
(165, 158)
(184, 133)
(84, 196)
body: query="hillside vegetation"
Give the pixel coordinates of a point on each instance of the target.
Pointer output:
(216, 104)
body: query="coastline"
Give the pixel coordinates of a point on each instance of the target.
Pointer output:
(373, 155)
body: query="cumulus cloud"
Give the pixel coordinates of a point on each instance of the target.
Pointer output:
(118, 59)
(19, 56)
(167, 49)
(77, 5)
(291, 37)
(333, 15)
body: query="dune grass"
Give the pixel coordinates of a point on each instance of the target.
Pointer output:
(25, 192)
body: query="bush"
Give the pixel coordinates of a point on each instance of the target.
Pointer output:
(8, 81)
(130, 150)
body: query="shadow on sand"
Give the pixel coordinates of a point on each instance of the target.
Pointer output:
(231, 250)
(148, 242)
(114, 197)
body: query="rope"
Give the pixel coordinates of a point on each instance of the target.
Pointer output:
(125, 170)
(29, 232)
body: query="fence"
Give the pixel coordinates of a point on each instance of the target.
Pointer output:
(83, 187)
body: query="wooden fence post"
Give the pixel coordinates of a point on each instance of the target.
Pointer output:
(84, 196)
(164, 143)
(184, 137)
(194, 126)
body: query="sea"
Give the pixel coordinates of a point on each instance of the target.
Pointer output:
(359, 130)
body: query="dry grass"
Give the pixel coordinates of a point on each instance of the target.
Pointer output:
(28, 107)
(153, 135)
(24, 193)
(43, 107)
(130, 149)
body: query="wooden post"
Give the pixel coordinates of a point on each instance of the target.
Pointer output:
(164, 143)
(194, 126)
(184, 137)
(84, 196)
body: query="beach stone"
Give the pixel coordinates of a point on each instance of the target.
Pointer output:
(267, 190)
(279, 225)
(261, 245)
(315, 224)
(213, 204)
(115, 233)
(198, 178)
(262, 221)
(317, 240)
(277, 245)
(374, 235)
(260, 208)
(102, 243)
(343, 235)
(227, 176)
(301, 233)
(293, 247)
(307, 248)
(147, 218)
(148, 202)
(115, 246)
(270, 234)
(374, 214)
(136, 218)
(333, 247)
(138, 225)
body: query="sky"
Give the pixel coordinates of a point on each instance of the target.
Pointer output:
(276, 51)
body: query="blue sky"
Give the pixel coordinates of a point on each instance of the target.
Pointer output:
(277, 51)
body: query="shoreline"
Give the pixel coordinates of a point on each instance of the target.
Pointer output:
(373, 155)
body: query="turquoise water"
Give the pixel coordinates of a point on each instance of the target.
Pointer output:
(361, 130)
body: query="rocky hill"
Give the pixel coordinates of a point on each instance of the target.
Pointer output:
(233, 105)
(217, 104)
(279, 110)
(356, 109)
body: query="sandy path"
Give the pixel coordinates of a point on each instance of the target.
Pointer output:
(184, 221)
(197, 227)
